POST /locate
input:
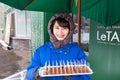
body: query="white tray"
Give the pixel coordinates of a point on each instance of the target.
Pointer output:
(65, 70)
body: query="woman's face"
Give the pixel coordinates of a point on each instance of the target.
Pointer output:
(60, 32)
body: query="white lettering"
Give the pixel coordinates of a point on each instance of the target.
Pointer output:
(103, 37)
(108, 36)
(108, 32)
(98, 35)
(115, 36)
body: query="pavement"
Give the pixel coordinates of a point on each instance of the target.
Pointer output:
(13, 61)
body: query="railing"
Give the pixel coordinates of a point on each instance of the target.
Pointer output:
(18, 76)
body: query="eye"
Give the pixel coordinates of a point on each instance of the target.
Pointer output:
(56, 27)
(65, 28)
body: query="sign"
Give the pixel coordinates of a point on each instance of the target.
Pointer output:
(104, 51)
(109, 35)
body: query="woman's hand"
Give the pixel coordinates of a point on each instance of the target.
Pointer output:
(37, 74)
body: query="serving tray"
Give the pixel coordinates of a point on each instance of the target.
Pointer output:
(65, 70)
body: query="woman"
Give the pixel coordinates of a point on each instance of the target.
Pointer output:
(60, 48)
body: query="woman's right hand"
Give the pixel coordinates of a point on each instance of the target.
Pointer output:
(38, 72)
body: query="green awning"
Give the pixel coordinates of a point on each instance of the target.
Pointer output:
(105, 12)
(40, 5)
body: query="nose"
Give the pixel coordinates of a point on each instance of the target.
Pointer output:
(60, 31)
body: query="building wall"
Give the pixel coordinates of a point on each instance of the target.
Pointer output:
(3, 8)
(20, 30)
(1, 20)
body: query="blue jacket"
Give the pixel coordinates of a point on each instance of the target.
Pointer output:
(47, 52)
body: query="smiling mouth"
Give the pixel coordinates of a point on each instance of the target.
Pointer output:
(61, 36)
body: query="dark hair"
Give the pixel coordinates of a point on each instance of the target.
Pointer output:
(62, 22)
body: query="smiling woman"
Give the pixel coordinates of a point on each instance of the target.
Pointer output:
(59, 48)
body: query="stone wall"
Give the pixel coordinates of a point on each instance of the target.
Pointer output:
(21, 44)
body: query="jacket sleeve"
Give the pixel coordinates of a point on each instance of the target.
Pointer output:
(34, 65)
(83, 57)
